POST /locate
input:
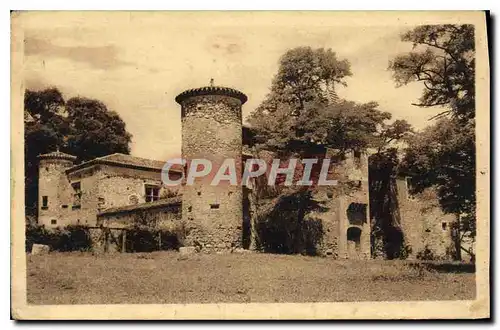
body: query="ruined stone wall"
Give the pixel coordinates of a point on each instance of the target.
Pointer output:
(352, 205)
(423, 222)
(335, 211)
(330, 219)
(211, 129)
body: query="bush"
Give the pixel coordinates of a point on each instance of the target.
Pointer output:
(426, 254)
(70, 238)
(145, 239)
(283, 225)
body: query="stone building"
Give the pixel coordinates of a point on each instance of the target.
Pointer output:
(90, 192)
(117, 190)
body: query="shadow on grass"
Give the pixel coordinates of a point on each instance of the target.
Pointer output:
(446, 267)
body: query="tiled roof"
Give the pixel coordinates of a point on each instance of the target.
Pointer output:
(57, 155)
(173, 201)
(132, 160)
(118, 159)
(212, 90)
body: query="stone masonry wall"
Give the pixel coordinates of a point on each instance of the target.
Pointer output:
(101, 187)
(423, 222)
(54, 184)
(348, 204)
(211, 129)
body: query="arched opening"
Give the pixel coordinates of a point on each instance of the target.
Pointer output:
(353, 241)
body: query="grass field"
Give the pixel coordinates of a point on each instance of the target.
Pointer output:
(163, 277)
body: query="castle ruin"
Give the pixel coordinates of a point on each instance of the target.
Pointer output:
(115, 190)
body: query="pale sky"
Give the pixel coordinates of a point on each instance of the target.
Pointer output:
(137, 63)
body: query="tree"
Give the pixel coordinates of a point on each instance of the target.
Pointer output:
(443, 59)
(302, 113)
(302, 116)
(82, 127)
(304, 75)
(95, 131)
(443, 155)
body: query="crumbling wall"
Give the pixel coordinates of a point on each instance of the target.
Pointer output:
(351, 170)
(424, 224)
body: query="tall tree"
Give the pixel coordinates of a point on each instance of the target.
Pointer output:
(95, 131)
(82, 127)
(304, 75)
(443, 59)
(443, 155)
(301, 113)
(302, 116)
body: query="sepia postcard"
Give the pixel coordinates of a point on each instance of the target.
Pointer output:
(250, 165)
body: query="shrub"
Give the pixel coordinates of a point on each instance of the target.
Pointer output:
(70, 238)
(426, 254)
(147, 239)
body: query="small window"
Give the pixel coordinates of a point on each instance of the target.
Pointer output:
(64, 206)
(199, 193)
(53, 222)
(101, 202)
(45, 202)
(190, 208)
(357, 158)
(214, 206)
(152, 193)
(77, 194)
(409, 188)
(444, 225)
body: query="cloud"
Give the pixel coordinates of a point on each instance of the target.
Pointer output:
(225, 45)
(99, 57)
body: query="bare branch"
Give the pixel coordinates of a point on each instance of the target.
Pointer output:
(439, 115)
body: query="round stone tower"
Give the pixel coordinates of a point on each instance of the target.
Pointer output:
(52, 188)
(212, 130)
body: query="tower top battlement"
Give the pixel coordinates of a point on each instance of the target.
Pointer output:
(57, 155)
(212, 90)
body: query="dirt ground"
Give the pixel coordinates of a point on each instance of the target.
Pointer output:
(164, 277)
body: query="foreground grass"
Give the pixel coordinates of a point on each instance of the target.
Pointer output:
(163, 277)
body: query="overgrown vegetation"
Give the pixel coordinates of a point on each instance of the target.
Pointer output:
(302, 117)
(284, 226)
(443, 155)
(146, 239)
(70, 238)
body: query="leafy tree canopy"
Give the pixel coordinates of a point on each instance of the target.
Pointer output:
(443, 59)
(443, 155)
(302, 112)
(81, 127)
